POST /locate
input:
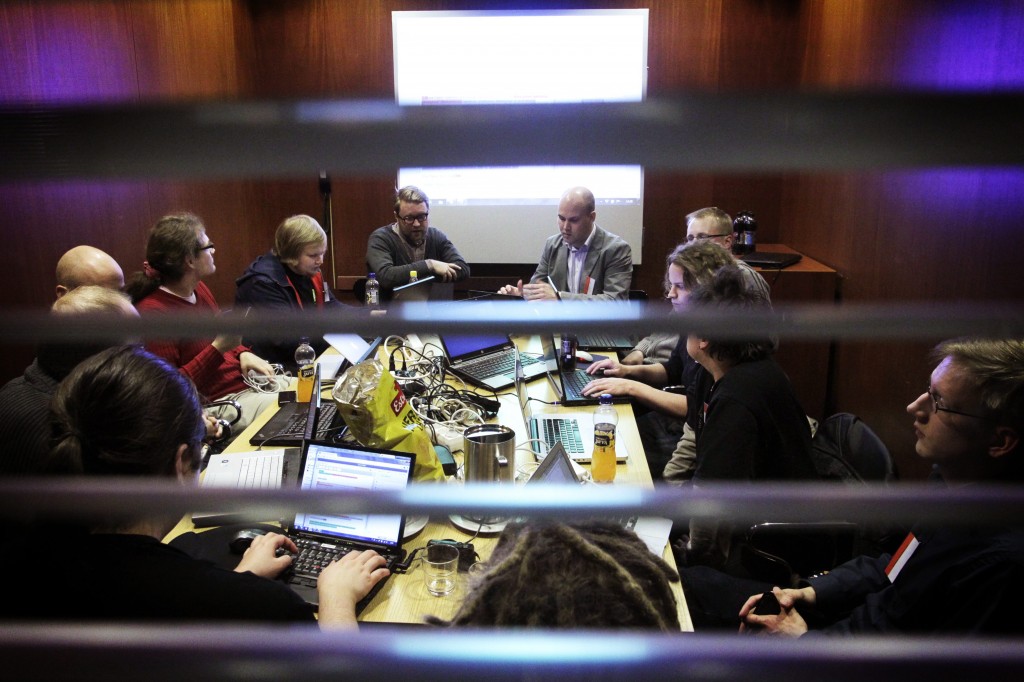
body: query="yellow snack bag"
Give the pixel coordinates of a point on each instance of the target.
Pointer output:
(373, 406)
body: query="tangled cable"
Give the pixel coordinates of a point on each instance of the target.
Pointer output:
(268, 384)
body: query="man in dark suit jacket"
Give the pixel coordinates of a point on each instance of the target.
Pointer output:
(583, 261)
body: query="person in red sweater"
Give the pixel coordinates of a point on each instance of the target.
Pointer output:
(179, 255)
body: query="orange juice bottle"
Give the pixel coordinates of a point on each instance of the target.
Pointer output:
(602, 465)
(305, 357)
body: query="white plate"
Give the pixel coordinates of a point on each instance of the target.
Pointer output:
(473, 525)
(413, 525)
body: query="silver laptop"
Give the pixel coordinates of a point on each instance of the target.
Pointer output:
(556, 468)
(574, 430)
(487, 360)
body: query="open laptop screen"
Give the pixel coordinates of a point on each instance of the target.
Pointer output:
(460, 346)
(337, 467)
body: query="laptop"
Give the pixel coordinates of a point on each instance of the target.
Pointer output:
(488, 360)
(478, 295)
(556, 468)
(605, 341)
(330, 466)
(295, 422)
(569, 384)
(574, 431)
(422, 290)
(352, 350)
(770, 260)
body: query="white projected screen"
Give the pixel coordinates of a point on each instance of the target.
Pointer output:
(504, 214)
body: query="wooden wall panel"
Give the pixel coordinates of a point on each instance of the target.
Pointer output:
(66, 52)
(930, 235)
(186, 49)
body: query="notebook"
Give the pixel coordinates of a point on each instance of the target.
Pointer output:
(425, 289)
(569, 384)
(487, 361)
(573, 430)
(770, 259)
(556, 468)
(261, 469)
(329, 466)
(295, 422)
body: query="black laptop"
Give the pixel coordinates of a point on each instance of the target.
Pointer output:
(568, 384)
(321, 538)
(605, 341)
(771, 260)
(423, 290)
(290, 424)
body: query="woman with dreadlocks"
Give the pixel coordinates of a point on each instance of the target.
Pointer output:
(595, 574)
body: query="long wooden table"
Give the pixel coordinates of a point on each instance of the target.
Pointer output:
(404, 598)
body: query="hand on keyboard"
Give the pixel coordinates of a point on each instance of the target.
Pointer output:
(344, 582)
(262, 557)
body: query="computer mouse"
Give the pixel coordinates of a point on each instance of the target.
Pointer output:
(584, 356)
(244, 538)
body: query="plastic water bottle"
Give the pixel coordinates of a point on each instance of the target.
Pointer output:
(602, 465)
(413, 276)
(372, 291)
(305, 357)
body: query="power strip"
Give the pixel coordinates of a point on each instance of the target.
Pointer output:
(447, 436)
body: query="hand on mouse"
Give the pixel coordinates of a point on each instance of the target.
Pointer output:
(605, 367)
(344, 582)
(261, 557)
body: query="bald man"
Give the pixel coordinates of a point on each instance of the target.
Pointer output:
(87, 265)
(583, 261)
(25, 400)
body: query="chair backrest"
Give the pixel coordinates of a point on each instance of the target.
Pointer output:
(637, 295)
(846, 449)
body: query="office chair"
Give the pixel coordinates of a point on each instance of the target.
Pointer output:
(844, 450)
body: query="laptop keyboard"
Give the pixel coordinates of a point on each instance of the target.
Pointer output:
(296, 426)
(495, 365)
(564, 431)
(313, 557)
(325, 424)
(574, 383)
(602, 341)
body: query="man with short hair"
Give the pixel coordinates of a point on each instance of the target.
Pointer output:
(714, 224)
(25, 400)
(583, 261)
(87, 265)
(965, 578)
(410, 243)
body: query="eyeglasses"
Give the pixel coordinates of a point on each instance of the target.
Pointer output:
(936, 407)
(700, 236)
(207, 247)
(411, 219)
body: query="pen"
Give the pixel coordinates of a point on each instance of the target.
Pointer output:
(554, 288)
